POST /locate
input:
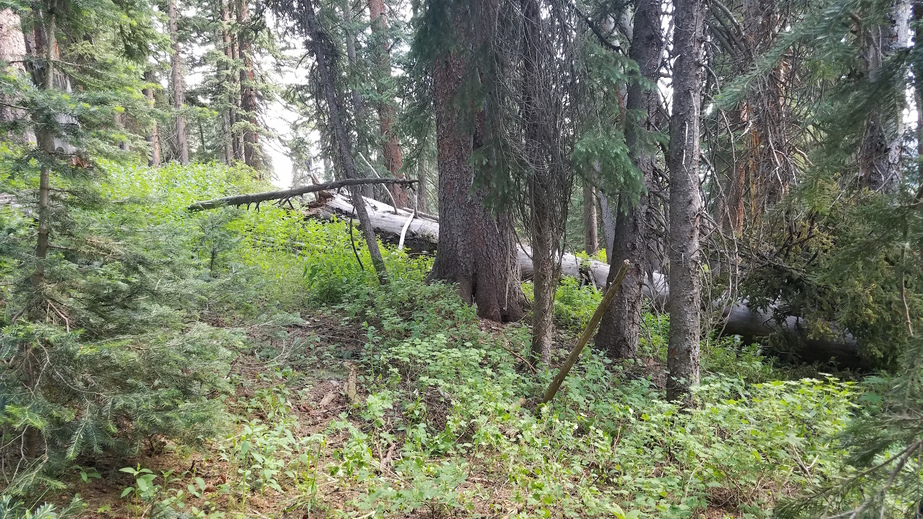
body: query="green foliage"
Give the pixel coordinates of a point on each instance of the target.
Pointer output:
(10, 509)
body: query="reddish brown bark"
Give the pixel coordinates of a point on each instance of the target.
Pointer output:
(176, 84)
(476, 247)
(253, 156)
(391, 145)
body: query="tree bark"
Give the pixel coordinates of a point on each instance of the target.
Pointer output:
(227, 112)
(391, 145)
(590, 225)
(237, 144)
(176, 84)
(685, 200)
(253, 155)
(153, 137)
(322, 49)
(13, 52)
(880, 153)
(618, 333)
(607, 210)
(476, 247)
(43, 52)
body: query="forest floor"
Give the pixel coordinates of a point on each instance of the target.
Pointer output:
(300, 449)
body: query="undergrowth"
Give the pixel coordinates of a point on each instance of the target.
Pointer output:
(446, 421)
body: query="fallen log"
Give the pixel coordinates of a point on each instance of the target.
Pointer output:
(285, 194)
(422, 235)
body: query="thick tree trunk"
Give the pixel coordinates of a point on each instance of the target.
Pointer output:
(253, 155)
(880, 153)
(476, 247)
(391, 145)
(176, 84)
(685, 200)
(322, 49)
(153, 137)
(590, 225)
(621, 324)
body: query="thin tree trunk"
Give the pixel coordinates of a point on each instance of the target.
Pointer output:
(391, 145)
(620, 327)
(321, 47)
(685, 200)
(590, 225)
(153, 137)
(422, 188)
(237, 144)
(607, 210)
(176, 83)
(545, 188)
(248, 104)
(227, 113)
(43, 51)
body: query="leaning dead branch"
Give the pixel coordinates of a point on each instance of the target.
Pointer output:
(286, 194)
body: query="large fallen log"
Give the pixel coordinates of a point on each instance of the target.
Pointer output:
(421, 235)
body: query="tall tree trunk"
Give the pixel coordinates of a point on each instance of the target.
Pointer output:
(153, 137)
(176, 84)
(13, 52)
(355, 98)
(685, 200)
(248, 104)
(476, 247)
(590, 225)
(621, 324)
(880, 153)
(391, 145)
(227, 113)
(237, 141)
(43, 51)
(322, 49)
(549, 185)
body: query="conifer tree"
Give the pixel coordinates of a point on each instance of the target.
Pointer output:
(685, 200)
(176, 85)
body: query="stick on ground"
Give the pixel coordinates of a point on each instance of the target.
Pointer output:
(585, 337)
